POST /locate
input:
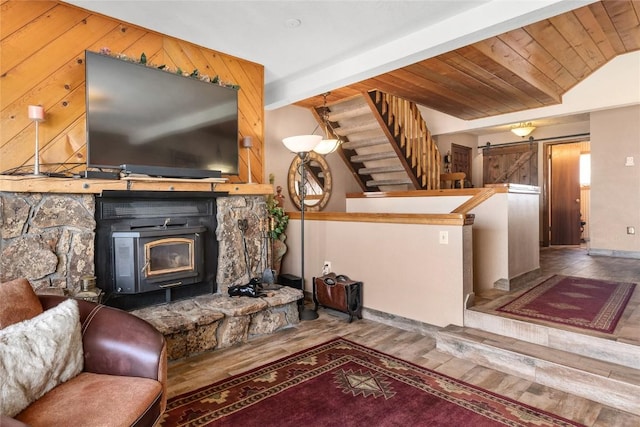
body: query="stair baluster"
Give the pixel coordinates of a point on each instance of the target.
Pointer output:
(409, 131)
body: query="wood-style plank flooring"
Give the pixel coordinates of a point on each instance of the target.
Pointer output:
(198, 371)
(573, 261)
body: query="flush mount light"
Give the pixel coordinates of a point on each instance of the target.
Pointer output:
(523, 129)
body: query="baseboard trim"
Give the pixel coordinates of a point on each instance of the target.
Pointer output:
(614, 253)
(400, 322)
(518, 281)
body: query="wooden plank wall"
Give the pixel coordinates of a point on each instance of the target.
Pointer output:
(42, 46)
(515, 164)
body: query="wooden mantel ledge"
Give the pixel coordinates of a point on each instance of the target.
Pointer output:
(38, 184)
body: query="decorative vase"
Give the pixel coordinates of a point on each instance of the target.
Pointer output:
(279, 248)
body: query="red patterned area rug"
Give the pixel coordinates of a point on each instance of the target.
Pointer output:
(574, 301)
(346, 384)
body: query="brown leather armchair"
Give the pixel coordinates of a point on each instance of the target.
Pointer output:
(123, 382)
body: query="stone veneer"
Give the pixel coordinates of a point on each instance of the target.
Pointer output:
(49, 239)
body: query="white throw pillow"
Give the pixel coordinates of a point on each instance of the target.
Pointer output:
(38, 354)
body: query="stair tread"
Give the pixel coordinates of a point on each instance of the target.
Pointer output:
(351, 112)
(368, 142)
(381, 169)
(374, 156)
(377, 183)
(347, 129)
(562, 357)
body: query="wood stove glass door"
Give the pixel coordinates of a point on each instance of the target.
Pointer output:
(171, 255)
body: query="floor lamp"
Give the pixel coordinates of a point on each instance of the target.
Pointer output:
(302, 145)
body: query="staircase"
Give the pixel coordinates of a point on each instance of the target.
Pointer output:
(598, 368)
(387, 144)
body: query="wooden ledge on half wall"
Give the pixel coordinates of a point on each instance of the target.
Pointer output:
(497, 188)
(389, 218)
(45, 184)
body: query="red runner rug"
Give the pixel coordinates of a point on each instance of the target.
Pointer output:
(583, 303)
(347, 384)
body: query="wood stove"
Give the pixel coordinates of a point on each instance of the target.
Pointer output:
(155, 247)
(158, 257)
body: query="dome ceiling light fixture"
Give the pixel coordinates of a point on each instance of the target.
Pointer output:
(523, 129)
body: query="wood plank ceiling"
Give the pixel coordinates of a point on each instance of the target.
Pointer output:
(526, 68)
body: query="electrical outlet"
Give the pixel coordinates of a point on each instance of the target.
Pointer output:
(631, 230)
(326, 267)
(444, 237)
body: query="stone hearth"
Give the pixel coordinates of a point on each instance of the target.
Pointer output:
(209, 322)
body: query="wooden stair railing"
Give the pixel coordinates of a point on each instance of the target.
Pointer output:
(403, 123)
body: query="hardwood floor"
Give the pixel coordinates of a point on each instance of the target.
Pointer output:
(191, 373)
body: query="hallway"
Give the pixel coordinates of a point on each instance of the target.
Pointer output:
(575, 261)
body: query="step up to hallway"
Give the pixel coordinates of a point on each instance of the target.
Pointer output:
(604, 382)
(624, 352)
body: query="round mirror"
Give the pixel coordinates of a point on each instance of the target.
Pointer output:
(317, 185)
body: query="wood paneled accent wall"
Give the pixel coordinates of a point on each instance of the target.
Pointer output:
(42, 46)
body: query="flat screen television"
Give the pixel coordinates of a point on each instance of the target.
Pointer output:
(141, 119)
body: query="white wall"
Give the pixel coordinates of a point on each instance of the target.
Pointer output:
(405, 271)
(524, 251)
(615, 188)
(433, 205)
(491, 243)
(505, 236)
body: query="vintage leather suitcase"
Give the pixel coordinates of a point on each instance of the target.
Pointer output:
(338, 292)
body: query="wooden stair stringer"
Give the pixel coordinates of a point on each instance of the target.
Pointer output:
(366, 150)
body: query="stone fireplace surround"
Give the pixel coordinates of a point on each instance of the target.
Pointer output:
(49, 238)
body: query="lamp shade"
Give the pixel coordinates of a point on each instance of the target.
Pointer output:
(36, 113)
(327, 146)
(523, 129)
(302, 143)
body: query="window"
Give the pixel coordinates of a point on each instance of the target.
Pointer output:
(585, 169)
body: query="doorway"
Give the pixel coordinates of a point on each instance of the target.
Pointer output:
(565, 204)
(461, 161)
